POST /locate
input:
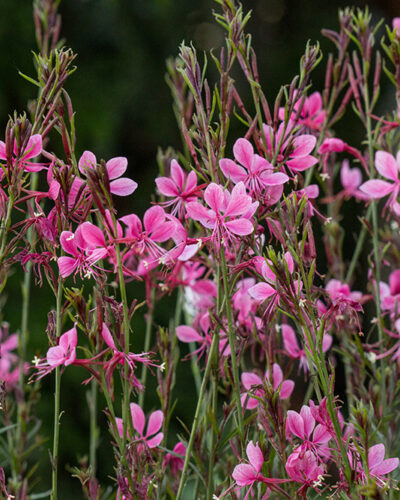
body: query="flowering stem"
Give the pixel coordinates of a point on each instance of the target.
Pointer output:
(56, 430)
(214, 345)
(94, 431)
(147, 340)
(235, 367)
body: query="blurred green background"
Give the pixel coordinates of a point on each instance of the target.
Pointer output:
(123, 108)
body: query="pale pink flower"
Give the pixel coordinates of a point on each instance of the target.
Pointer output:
(312, 114)
(229, 213)
(121, 186)
(378, 466)
(390, 294)
(153, 437)
(181, 187)
(388, 167)
(245, 305)
(396, 25)
(251, 380)
(297, 158)
(351, 179)
(254, 171)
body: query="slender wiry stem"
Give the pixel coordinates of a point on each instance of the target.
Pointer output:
(214, 345)
(231, 335)
(56, 430)
(147, 341)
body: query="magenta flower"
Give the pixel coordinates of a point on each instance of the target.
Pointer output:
(84, 256)
(389, 168)
(303, 467)
(256, 172)
(152, 438)
(65, 351)
(175, 462)
(297, 158)
(62, 354)
(250, 380)
(181, 187)
(32, 149)
(121, 186)
(294, 351)
(249, 474)
(229, 214)
(312, 114)
(378, 466)
(302, 425)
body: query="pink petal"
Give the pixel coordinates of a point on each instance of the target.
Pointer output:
(314, 103)
(321, 434)
(155, 422)
(116, 167)
(377, 188)
(34, 147)
(123, 186)
(376, 454)
(385, 467)
(166, 186)
(188, 334)
(286, 389)
(55, 356)
(3, 155)
(138, 418)
(232, 171)
(261, 291)
(239, 201)
(243, 474)
(248, 379)
(277, 376)
(303, 145)
(241, 227)
(308, 419)
(67, 240)
(177, 174)
(87, 161)
(243, 152)
(290, 341)
(214, 196)
(67, 265)
(273, 179)
(92, 235)
(255, 456)
(386, 165)
(69, 339)
(153, 218)
(106, 334)
(155, 441)
(197, 211)
(302, 163)
(294, 424)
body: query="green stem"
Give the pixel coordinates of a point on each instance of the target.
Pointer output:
(231, 334)
(94, 431)
(147, 341)
(56, 430)
(214, 345)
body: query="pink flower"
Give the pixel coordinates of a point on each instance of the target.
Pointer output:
(351, 179)
(312, 114)
(302, 425)
(65, 351)
(249, 380)
(377, 464)
(256, 172)
(249, 474)
(229, 214)
(302, 467)
(152, 438)
(389, 168)
(297, 158)
(32, 149)
(181, 187)
(84, 256)
(390, 294)
(115, 168)
(292, 347)
(396, 25)
(176, 463)
(62, 354)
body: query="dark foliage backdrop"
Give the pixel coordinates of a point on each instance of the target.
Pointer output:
(123, 107)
